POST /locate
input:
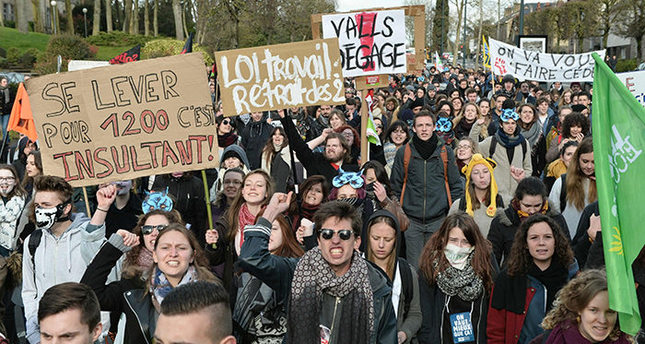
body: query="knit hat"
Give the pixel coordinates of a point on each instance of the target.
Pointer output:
(490, 164)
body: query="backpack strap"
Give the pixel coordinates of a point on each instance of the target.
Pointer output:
(406, 284)
(444, 157)
(493, 145)
(406, 162)
(563, 192)
(32, 245)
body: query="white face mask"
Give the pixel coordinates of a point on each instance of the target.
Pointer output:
(457, 256)
(6, 187)
(45, 217)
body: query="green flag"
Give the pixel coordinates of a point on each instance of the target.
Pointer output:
(618, 140)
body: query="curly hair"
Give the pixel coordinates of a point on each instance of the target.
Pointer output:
(520, 258)
(575, 296)
(574, 119)
(434, 248)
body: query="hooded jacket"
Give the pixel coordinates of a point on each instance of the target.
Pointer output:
(425, 196)
(57, 260)
(232, 150)
(277, 272)
(404, 299)
(254, 137)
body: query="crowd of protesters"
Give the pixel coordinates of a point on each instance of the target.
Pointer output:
(475, 220)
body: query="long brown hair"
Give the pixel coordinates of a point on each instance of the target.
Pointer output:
(575, 178)
(233, 212)
(290, 247)
(391, 258)
(131, 268)
(17, 190)
(433, 250)
(268, 152)
(38, 161)
(200, 261)
(574, 297)
(520, 258)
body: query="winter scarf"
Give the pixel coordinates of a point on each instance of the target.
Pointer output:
(553, 278)
(515, 203)
(311, 279)
(532, 134)
(226, 139)
(144, 260)
(161, 287)
(508, 141)
(425, 148)
(245, 218)
(464, 283)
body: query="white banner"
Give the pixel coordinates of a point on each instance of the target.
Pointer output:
(370, 42)
(635, 83)
(83, 64)
(531, 65)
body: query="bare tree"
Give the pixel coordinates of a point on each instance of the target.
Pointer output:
(134, 28)
(146, 18)
(611, 12)
(21, 16)
(96, 23)
(127, 10)
(460, 6)
(177, 13)
(155, 18)
(68, 15)
(108, 15)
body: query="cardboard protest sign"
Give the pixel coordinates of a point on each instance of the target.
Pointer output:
(635, 83)
(370, 42)
(74, 65)
(125, 121)
(280, 76)
(532, 65)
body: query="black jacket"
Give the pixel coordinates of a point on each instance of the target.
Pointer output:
(254, 137)
(314, 163)
(124, 296)
(277, 272)
(581, 243)
(505, 224)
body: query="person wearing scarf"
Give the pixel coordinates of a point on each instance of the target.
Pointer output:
(540, 264)
(456, 276)
(481, 201)
(140, 298)
(571, 321)
(530, 199)
(333, 294)
(513, 157)
(532, 131)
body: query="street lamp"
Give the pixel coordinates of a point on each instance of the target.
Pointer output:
(521, 17)
(53, 3)
(85, 20)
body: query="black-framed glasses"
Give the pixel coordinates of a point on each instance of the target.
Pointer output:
(226, 122)
(327, 234)
(147, 229)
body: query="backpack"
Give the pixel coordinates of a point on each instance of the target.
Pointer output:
(493, 145)
(406, 162)
(563, 192)
(32, 245)
(406, 284)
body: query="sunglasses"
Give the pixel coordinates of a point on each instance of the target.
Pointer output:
(147, 229)
(327, 234)
(226, 122)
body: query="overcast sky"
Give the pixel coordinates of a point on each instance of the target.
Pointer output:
(352, 5)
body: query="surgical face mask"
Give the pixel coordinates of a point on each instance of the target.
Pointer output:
(458, 256)
(46, 217)
(123, 187)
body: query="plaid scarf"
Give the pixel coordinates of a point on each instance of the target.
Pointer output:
(313, 277)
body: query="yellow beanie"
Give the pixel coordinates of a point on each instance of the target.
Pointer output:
(490, 164)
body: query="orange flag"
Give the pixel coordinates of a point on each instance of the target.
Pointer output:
(21, 119)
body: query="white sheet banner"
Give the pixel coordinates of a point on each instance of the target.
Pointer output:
(532, 65)
(370, 42)
(635, 83)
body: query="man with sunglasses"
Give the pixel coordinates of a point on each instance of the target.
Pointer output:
(334, 295)
(66, 243)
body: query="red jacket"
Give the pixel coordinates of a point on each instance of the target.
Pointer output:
(504, 327)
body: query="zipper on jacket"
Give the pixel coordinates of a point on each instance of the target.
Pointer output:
(143, 333)
(425, 188)
(333, 318)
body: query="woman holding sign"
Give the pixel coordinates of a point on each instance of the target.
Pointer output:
(457, 270)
